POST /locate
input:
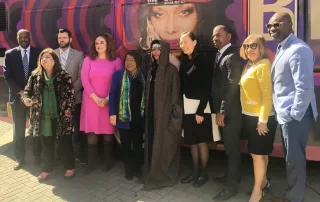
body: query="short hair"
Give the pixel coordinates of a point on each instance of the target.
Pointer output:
(225, 28)
(22, 31)
(190, 34)
(57, 66)
(65, 31)
(262, 46)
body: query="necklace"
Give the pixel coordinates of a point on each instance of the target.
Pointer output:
(134, 75)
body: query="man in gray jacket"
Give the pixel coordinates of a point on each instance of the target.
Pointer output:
(71, 61)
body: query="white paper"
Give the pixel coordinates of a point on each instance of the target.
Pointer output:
(191, 106)
(215, 129)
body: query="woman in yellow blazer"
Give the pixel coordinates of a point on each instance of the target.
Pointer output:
(259, 124)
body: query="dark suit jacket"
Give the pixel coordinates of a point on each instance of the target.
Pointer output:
(225, 84)
(14, 72)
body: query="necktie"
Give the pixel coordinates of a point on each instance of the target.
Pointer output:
(218, 57)
(25, 65)
(63, 59)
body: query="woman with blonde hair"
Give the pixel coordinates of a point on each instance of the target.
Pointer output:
(259, 124)
(50, 96)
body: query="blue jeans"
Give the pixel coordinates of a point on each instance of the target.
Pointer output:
(295, 138)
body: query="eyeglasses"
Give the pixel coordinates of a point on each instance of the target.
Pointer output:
(253, 46)
(276, 25)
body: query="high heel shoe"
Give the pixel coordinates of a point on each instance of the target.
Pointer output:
(265, 189)
(261, 198)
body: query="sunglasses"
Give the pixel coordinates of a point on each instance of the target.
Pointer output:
(275, 25)
(253, 46)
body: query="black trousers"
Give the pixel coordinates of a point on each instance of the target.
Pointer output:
(131, 145)
(19, 116)
(80, 139)
(65, 150)
(231, 133)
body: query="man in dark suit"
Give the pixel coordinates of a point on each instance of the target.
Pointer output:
(18, 64)
(226, 104)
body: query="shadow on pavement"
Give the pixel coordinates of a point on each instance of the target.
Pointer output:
(100, 186)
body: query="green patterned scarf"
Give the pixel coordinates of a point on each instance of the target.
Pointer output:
(124, 108)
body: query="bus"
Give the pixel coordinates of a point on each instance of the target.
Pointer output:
(134, 22)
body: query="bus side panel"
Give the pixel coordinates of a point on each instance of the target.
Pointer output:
(85, 19)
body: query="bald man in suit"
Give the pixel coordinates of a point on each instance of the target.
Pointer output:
(19, 62)
(293, 99)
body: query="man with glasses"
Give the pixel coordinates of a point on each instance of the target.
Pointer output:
(293, 99)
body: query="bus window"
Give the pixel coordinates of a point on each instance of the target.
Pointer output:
(3, 19)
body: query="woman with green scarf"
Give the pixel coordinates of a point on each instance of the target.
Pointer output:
(126, 105)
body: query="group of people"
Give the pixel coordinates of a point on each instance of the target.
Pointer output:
(150, 101)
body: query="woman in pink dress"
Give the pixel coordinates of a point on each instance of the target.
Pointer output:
(96, 76)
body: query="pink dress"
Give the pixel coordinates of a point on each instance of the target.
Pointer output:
(96, 77)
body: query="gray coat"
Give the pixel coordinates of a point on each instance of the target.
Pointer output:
(73, 67)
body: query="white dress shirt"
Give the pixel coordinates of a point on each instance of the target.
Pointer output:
(22, 52)
(66, 54)
(64, 51)
(222, 50)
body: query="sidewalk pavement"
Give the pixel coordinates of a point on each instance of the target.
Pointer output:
(23, 186)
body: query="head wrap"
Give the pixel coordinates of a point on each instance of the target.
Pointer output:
(156, 46)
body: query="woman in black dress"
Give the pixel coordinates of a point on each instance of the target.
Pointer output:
(195, 76)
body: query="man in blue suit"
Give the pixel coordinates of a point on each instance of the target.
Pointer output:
(293, 99)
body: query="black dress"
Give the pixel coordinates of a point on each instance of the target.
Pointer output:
(195, 76)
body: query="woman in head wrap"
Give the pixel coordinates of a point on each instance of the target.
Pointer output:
(164, 119)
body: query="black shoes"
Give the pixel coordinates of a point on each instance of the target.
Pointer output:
(225, 194)
(197, 180)
(200, 181)
(189, 179)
